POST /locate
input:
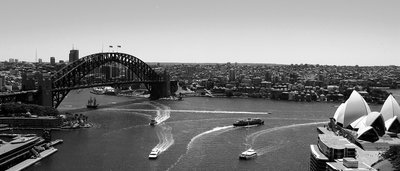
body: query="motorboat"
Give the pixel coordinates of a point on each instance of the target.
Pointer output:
(153, 122)
(154, 153)
(248, 154)
(249, 121)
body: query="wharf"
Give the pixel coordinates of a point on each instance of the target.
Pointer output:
(29, 162)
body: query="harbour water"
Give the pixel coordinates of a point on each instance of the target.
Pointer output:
(195, 133)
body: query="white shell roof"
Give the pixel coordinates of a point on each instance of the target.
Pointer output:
(371, 117)
(339, 114)
(389, 122)
(353, 109)
(360, 122)
(365, 129)
(390, 108)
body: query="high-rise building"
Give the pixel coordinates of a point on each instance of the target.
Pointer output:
(73, 55)
(52, 60)
(1, 84)
(268, 76)
(232, 75)
(11, 60)
(40, 60)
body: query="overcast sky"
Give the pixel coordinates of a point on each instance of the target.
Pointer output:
(335, 32)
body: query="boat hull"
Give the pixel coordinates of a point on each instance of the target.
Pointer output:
(91, 106)
(242, 157)
(249, 122)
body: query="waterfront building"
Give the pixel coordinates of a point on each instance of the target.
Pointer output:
(40, 60)
(73, 55)
(52, 60)
(354, 126)
(232, 75)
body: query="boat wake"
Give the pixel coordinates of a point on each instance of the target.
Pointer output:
(267, 149)
(164, 132)
(165, 137)
(163, 112)
(135, 112)
(213, 132)
(219, 112)
(158, 106)
(216, 131)
(250, 139)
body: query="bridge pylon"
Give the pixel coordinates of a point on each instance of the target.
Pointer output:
(161, 90)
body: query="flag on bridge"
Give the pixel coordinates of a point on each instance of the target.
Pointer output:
(111, 46)
(119, 46)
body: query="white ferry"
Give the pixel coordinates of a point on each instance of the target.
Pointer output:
(154, 153)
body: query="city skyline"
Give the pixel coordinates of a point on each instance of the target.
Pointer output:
(283, 32)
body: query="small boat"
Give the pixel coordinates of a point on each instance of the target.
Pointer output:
(154, 153)
(249, 121)
(91, 104)
(248, 154)
(153, 122)
(55, 142)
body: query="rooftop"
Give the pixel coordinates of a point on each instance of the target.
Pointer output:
(336, 142)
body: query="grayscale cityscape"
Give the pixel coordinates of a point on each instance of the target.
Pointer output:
(200, 85)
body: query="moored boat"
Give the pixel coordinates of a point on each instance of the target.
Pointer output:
(92, 104)
(249, 121)
(248, 154)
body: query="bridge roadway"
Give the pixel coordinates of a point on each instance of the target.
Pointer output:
(22, 96)
(16, 93)
(104, 84)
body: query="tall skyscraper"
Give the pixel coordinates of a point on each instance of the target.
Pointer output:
(73, 55)
(52, 60)
(40, 60)
(232, 75)
(1, 83)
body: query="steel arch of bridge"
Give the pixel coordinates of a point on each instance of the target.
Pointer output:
(69, 77)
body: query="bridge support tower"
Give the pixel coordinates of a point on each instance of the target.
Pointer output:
(160, 90)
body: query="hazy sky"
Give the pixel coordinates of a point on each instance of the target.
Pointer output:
(340, 32)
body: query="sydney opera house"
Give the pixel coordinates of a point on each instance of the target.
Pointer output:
(356, 136)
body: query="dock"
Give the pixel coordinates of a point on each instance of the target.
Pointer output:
(29, 162)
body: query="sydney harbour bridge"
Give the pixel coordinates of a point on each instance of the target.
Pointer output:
(84, 73)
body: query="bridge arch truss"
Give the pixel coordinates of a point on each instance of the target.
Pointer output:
(69, 77)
